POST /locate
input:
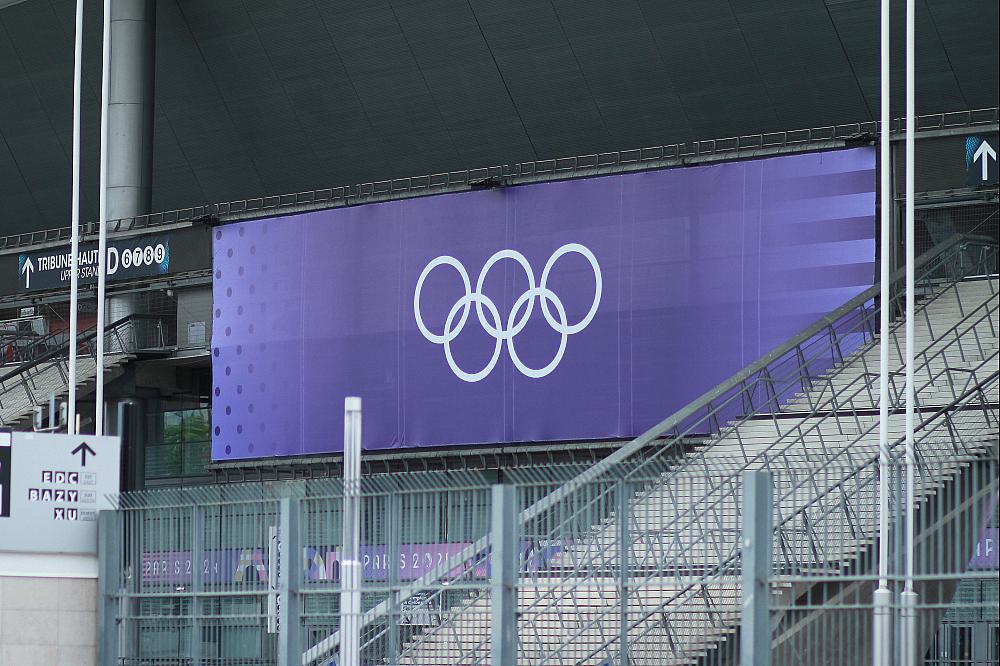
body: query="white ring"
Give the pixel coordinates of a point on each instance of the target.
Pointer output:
(589, 256)
(515, 320)
(519, 258)
(457, 265)
(529, 296)
(465, 302)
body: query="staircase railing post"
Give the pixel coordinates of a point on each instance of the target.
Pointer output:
(503, 576)
(623, 571)
(755, 633)
(394, 531)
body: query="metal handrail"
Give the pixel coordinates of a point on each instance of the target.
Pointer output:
(972, 396)
(633, 471)
(420, 185)
(86, 336)
(27, 343)
(791, 437)
(117, 331)
(928, 264)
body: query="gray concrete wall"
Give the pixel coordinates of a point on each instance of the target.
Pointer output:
(48, 621)
(194, 306)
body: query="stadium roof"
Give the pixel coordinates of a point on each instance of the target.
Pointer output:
(257, 97)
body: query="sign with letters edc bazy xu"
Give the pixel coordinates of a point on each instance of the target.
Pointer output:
(51, 488)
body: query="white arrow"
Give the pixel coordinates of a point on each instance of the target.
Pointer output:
(985, 152)
(26, 270)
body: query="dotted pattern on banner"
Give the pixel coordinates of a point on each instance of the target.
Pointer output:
(256, 340)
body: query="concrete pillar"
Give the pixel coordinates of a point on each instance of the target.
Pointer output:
(130, 108)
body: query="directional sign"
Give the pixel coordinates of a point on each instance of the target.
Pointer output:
(27, 268)
(139, 256)
(51, 488)
(981, 160)
(83, 449)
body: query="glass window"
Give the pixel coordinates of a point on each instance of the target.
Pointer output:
(179, 443)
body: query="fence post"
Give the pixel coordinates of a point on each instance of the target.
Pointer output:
(289, 580)
(503, 576)
(623, 571)
(394, 531)
(350, 566)
(755, 632)
(197, 547)
(107, 586)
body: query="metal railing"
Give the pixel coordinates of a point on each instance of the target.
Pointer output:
(846, 404)
(187, 574)
(764, 386)
(650, 157)
(641, 550)
(23, 387)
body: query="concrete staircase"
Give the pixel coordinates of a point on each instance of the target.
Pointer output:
(683, 530)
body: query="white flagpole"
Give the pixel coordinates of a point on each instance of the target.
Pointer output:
(908, 599)
(102, 238)
(882, 636)
(75, 221)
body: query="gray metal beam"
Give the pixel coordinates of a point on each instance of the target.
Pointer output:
(755, 630)
(503, 577)
(289, 579)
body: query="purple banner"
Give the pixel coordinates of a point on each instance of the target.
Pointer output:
(250, 565)
(582, 309)
(987, 557)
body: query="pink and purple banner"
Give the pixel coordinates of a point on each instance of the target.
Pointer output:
(249, 566)
(574, 310)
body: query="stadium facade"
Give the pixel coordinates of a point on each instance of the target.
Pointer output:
(525, 235)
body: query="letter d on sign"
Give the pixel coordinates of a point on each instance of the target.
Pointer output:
(111, 266)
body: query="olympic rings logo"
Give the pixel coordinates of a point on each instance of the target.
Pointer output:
(489, 315)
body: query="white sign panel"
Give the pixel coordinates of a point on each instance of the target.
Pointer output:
(274, 580)
(51, 488)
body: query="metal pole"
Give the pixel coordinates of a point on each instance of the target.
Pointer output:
(623, 572)
(197, 584)
(908, 600)
(102, 234)
(503, 577)
(107, 585)
(394, 529)
(755, 633)
(350, 566)
(881, 635)
(75, 221)
(289, 577)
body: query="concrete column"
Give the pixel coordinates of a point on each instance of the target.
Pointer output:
(130, 107)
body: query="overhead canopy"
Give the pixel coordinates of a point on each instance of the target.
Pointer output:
(256, 97)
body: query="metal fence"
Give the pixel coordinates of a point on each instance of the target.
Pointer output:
(195, 576)
(637, 559)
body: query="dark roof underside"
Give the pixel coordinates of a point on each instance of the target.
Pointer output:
(259, 97)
